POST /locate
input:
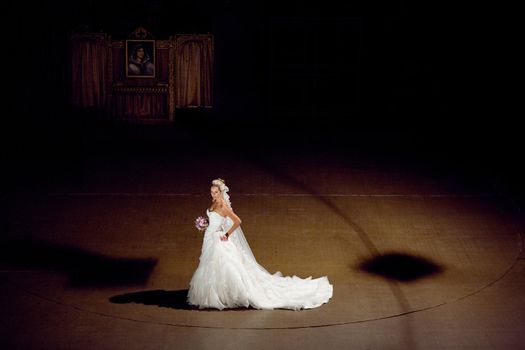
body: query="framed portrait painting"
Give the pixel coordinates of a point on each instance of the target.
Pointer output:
(140, 58)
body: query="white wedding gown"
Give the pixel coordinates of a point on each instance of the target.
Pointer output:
(228, 276)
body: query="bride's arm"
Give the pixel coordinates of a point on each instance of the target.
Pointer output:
(236, 220)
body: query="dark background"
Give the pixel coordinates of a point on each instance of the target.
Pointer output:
(427, 79)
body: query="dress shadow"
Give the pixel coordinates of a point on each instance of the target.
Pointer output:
(175, 299)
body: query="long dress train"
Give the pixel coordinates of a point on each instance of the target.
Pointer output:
(228, 276)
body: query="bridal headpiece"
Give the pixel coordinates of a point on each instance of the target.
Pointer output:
(221, 184)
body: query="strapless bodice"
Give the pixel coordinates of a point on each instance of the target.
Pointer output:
(215, 219)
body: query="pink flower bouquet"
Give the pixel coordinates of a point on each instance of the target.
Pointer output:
(201, 223)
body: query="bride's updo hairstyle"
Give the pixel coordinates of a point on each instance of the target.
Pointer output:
(219, 183)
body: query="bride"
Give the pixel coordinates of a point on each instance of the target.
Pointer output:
(228, 275)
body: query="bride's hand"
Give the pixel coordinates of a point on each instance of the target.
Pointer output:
(222, 235)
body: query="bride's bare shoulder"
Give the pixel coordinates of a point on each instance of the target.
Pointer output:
(222, 205)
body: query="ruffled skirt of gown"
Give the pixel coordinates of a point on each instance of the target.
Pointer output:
(227, 277)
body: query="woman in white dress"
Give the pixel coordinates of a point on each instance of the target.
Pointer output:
(228, 275)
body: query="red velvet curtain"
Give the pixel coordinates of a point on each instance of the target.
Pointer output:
(89, 57)
(194, 71)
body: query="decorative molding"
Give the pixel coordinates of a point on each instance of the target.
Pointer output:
(185, 38)
(163, 44)
(141, 33)
(140, 89)
(109, 77)
(117, 44)
(171, 78)
(96, 37)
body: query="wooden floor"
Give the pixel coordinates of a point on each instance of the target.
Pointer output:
(421, 255)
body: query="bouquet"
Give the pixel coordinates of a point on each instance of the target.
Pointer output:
(201, 223)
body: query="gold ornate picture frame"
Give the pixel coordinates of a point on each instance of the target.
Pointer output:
(140, 58)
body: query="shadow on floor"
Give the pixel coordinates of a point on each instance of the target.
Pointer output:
(171, 299)
(400, 267)
(175, 299)
(84, 268)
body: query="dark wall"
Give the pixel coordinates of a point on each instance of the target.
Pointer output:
(431, 70)
(427, 77)
(397, 64)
